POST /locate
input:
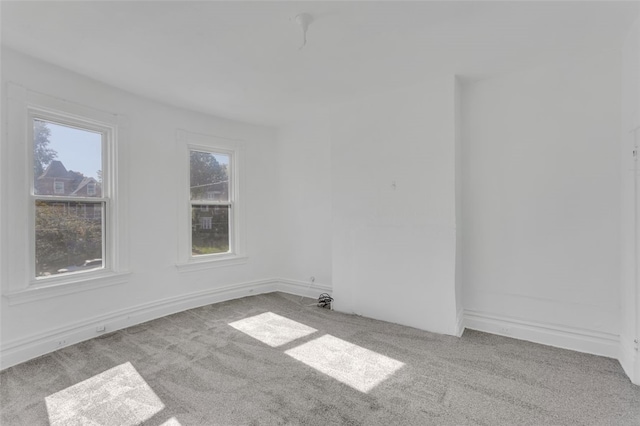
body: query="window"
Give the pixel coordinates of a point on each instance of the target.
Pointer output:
(58, 187)
(65, 154)
(212, 223)
(61, 243)
(91, 189)
(205, 222)
(209, 174)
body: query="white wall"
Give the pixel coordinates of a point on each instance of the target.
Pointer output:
(304, 171)
(541, 179)
(539, 182)
(393, 184)
(153, 180)
(630, 136)
(388, 252)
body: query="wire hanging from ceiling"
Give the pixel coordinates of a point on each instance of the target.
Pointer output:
(304, 19)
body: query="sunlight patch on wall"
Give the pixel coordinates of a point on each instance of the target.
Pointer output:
(272, 329)
(360, 368)
(118, 396)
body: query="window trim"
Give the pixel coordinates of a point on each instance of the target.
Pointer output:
(187, 142)
(19, 264)
(108, 132)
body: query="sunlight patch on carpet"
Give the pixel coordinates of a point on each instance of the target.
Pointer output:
(118, 396)
(171, 422)
(272, 329)
(355, 366)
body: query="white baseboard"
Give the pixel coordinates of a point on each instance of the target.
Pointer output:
(581, 340)
(302, 288)
(630, 359)
(29, 347)
(24, 349)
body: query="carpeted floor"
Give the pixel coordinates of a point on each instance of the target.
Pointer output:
(268, 359)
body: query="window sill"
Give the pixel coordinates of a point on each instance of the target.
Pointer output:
(45, 289)
(199, 265)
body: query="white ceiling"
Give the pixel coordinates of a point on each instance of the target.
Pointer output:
(241, 59)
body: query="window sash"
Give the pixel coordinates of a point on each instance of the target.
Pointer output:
(207, 241)
(203, 201)
(79, 211)
(106, 213)
(197, 205)
(208, 194)
(61, 119)
(89, 213)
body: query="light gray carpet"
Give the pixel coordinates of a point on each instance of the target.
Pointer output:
(268, 359)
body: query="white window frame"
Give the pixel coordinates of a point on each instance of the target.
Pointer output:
(187, 142)
(107, 132)
(22, 286)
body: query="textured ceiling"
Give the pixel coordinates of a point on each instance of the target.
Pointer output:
(241, 59)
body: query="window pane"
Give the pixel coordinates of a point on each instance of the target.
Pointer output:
(209, 230)
(209, 176)
(68, 237)
(66, 161)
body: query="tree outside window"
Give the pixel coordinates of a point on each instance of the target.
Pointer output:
(68, 236)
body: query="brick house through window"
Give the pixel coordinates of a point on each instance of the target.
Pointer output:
(58, 181)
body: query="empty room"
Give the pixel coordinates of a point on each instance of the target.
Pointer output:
(311, 213)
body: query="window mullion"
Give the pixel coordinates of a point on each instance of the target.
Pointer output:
(69, 199)
(209, 203)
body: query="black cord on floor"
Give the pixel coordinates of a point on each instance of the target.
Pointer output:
(324, 300)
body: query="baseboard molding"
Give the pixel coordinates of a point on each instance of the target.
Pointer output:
(21, 350)
(630, 360)
(24, 349)
(302, 288)
(581, 340)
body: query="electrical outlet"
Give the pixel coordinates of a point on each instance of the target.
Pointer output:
(62, 343)
(101, 328)
(504, 330)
